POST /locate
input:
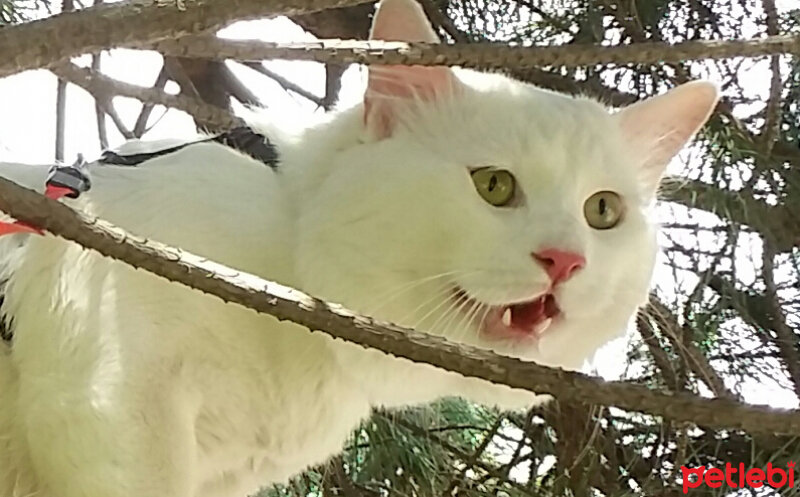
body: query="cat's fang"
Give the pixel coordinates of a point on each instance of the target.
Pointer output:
(542, 327)
(507, 317)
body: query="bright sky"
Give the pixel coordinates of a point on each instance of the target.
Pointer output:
(27, 125)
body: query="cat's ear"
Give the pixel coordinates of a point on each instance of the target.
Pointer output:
(390, 89)
(659, 127)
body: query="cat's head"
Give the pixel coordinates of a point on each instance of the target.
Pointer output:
(488, 210)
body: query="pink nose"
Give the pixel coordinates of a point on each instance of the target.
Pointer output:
(559, 264)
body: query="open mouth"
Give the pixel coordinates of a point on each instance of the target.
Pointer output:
(521, 320)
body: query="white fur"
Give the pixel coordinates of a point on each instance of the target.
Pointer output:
(121, 384)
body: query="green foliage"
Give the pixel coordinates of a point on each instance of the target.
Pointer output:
(408, 452)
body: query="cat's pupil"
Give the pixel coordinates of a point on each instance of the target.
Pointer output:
(493, 182)
(602, 207)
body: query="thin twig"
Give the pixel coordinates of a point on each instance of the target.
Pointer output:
(107, 105)
(333, 84)
(288, 304)
(777, 223)
(103, 104)
(476, 455)
(771, 129)
(61, 102)
(61, 118)
(96, 83)
(178, 74)
(659, 355)
(786, 339)
(283, 82)
(100, 116)
(456, 451)
(694, 357)
(140, 127)
(440, 19)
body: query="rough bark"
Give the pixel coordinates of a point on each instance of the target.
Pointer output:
(133, 24)
(288, 304)
(476, 55)
(104, 87)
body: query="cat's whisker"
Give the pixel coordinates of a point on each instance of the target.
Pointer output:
(454, 312)
(454, 303)
(393, 293)
(485, 314)
(462, 328)
(443, 291)
(472, 323)
(466, 329)
(447, 298)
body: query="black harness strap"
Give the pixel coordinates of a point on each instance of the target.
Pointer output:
(243, 139)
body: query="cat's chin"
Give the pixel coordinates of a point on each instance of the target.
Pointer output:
(524, 321)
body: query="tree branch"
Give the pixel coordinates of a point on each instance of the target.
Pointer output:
(786, 339)
(283, 82)
(100, 115)
(771, 129)
(474, 55)
(132, 24)
(61, 118)
(96, 83)
(140, 127)
(289, 304)
(683, 345)
(778, 224)
(61, 102)
(333, 84)
(461, 454)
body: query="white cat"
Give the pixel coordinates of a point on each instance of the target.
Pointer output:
(463, 204)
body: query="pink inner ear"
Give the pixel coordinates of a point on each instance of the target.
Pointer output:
(390, 87)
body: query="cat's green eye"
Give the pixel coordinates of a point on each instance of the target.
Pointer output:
(495, 186)
(603, 210)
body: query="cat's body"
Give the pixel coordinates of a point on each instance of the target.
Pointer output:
(121, 384)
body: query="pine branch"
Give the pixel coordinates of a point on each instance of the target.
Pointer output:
(786, 338)
(778, 223)
(682, 344)
(102, 87)
(133, 24)
(663, 362)
(289, 304)
(474, 55)
(333, 84)
(100, 114)
(464, 456)
(140, 127)
(283, 82)
(771, 129)
(61, 119)
(61, 102)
